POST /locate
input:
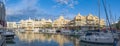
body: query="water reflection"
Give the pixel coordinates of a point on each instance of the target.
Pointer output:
(43, 38)
(31, 39)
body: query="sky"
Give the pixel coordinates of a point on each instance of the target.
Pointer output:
(52, 9)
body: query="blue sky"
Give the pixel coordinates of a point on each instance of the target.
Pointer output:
(52, 9)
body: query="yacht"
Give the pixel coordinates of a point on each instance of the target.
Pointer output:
(41, 31)
(99, 37)
(66, 32)
(36, 30)
(50, 31)
(8, 34)
(78, 33)
(21, 30)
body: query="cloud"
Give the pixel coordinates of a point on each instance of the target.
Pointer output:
(67, 3)
(21, 6)
(62, 1)
(25, 9)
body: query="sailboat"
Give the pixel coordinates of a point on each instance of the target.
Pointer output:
(100, 37)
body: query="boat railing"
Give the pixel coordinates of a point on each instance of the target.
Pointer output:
(2, 40)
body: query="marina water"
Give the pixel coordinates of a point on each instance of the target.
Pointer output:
(40, 39)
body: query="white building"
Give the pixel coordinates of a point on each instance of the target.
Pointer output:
(11, 25)
(61, 22)
(31, 24)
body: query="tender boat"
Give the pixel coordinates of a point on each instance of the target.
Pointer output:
(106, 38)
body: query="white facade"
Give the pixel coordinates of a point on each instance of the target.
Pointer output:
(61, 22)
(31, 24)
(11, 25)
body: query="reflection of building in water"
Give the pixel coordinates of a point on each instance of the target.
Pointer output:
(43, 37)
(75, 41)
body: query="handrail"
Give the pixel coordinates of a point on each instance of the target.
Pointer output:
(3, 41)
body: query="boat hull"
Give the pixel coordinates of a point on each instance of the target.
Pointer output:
(96, 42)
(83, 43)
(93, 39)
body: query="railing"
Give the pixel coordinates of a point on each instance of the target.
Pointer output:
(2, 41)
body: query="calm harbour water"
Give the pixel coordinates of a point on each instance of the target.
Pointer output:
(31, 39)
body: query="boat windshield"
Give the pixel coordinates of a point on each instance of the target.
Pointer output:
(87, 34)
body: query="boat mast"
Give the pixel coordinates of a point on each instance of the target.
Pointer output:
(106, 14)
(111, 17)
(99, 14)
(115, 21)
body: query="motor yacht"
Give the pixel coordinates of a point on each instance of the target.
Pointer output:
(36, 30)
(8, 34)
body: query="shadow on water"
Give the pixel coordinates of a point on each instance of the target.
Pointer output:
(10, 42)
(31, 39)
(93, 44)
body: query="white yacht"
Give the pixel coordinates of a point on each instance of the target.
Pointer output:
(8, 34)
(66, 32)
(41, 31)
(99, 38)
(50, 31)
(21, 30)
(36, 30)
(79, 33)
